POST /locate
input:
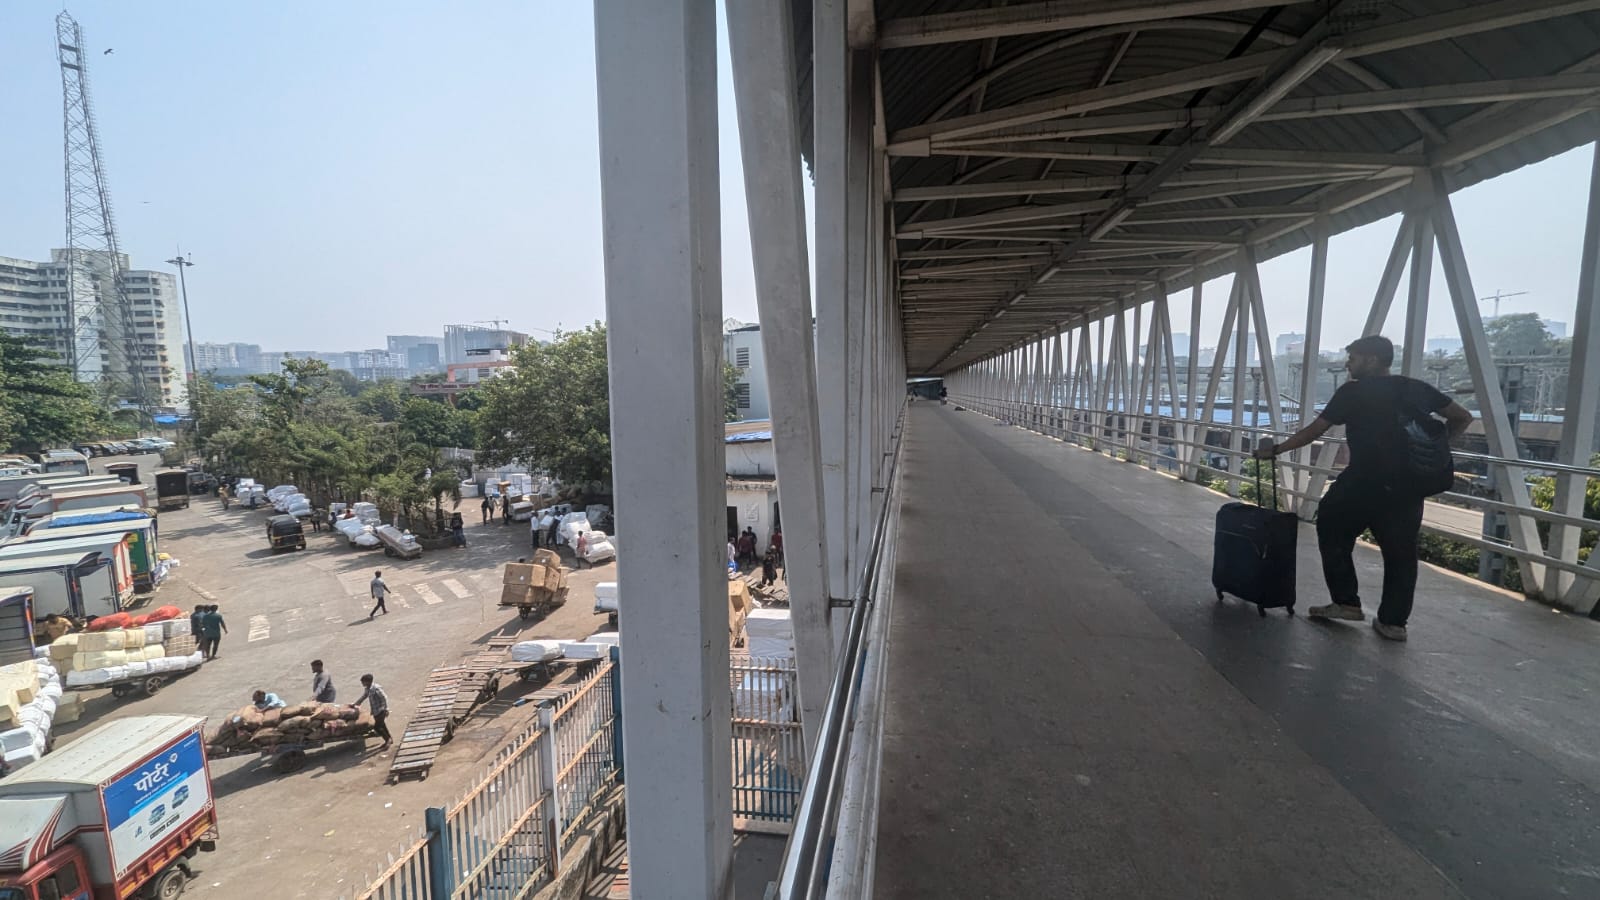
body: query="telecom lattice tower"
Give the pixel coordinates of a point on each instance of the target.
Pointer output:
(105, 345)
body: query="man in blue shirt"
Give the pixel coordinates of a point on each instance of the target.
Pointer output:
(265, 700)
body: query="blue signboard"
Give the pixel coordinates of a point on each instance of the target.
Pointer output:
(147, 805)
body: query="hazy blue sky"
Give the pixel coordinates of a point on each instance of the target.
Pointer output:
(342, 171)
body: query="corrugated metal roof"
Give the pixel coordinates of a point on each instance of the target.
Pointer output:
(937, 82)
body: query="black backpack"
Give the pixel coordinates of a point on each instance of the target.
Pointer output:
(1426, 463)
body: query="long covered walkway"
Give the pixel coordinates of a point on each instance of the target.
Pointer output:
(1072, 713)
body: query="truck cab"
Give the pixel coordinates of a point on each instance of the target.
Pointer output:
(63, 875)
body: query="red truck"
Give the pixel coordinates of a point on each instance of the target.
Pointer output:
(115, 814)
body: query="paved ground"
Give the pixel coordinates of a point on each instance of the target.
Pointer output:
(1073, 714)
(332, 823)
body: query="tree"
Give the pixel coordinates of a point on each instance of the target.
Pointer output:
(552, 409)
(41, 405)
(1518, 334)
(730, 392)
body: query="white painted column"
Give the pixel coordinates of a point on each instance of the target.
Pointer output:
(1269, 370)
(1416, 339)
(1485, 381)
(1583, 409)
(832, 202)
(1389, 281)
(1192, 433)
(858, 246)
(762, 50)
(1241, 374)
(1311, 355)
(657, 75)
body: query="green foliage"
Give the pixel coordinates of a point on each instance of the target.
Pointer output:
(1517, 334)
(730, 396)
(303, 426)
(41, 406)
(552, 411)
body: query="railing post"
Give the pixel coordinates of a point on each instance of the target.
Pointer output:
(441, 880)
(547, 766)
(616, 711)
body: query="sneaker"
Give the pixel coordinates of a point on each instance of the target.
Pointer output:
(1389, 632)
(1337, 611)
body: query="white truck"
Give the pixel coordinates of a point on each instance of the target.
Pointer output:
(115, 814)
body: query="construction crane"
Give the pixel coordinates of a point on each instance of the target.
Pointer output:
(1499, 295)
(495, 322)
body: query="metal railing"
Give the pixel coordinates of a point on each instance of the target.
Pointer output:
(1143, 436)
(504, 838)
(845, 740)
(769, 750)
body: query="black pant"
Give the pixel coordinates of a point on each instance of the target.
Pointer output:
(379, 727)
(377, 608)
(1351, 507)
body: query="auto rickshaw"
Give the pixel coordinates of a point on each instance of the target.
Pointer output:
(285, 533)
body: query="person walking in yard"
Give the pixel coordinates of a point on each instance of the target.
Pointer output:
(769, 568)
(222, 494)
(1376, 490)
(378, 702)
(379, 591)
(733, 555)
(487, 507)
(458, 530)
(321, 683)
(550, 538)
(581, 549)
(777, 544)
(212, 628)
(194, 624)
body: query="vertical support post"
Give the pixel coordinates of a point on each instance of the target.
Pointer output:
(858, 190)
(1416, 339)
(1188, 453)
(1172, 376)
(1269, 367)
(657, 75)
(1389, 281)
(1053, 398)
(1311, 360)
(616, 714)
(762, 51)
(1241, 371)
(1496, 426)
(1583, 410)
(829, 72)
(550, 772)
(441, 875)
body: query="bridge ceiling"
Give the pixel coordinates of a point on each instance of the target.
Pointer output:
(1050, 159)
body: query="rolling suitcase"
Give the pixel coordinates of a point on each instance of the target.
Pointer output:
(1254, 558)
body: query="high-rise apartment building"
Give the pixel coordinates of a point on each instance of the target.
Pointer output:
(101, 343)
(469, 343)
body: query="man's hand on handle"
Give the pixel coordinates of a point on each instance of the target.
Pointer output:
(1266, 449)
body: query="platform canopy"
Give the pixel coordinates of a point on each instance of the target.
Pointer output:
(1048, 159)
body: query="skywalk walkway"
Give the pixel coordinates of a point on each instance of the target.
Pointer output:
(1073, 714)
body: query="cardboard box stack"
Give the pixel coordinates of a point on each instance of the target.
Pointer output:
(543, 581)
(102, 657)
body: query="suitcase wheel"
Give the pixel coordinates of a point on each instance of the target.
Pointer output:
(1219, 596)
(1262, 610)
(1291, 610)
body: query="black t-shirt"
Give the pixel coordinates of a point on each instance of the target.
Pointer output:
(1369, 410)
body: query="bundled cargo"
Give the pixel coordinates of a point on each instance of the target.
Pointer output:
(535, 585)
(172, 628)
(535, 651)
(102, 641)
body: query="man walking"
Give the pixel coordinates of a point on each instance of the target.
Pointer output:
(379, 591)
(321, 683)
(194, 624)
(212, 628)
(555, 525)
(1373, 491)
(378, 701)
(487, 508)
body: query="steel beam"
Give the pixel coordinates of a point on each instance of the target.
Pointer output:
(1416, 334)
(762, 52)
(1311, 355)
(1034, 18)
(829, 78)
(1582, 417)
(858, 244)
(1480, 361)
(1389, 281)
(657, 71)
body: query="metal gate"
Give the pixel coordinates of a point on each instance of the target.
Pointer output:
(769, 759)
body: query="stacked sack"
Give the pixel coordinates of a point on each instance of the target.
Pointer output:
(251, 728)
(30, 693)
(117, 654)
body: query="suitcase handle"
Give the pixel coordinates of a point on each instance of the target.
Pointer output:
(1274, 483)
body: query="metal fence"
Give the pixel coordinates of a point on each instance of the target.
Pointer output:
(1195, 450)
(769, 757)
(505, 837)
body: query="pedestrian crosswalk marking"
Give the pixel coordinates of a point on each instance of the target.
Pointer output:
(427, 594)
(260, 629)
(294, 621)
(398, 600)
(457, 588)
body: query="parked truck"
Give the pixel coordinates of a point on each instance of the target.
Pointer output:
(115, 814)
(172, 489)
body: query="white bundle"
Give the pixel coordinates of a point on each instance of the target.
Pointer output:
(32, 715)
(22, 756)
(194, 660)
(535, 651)
(609, 638)
(42, 653)
(14, 739)
(137, 668)
(172, 628)
(155, 633)
(584, 650)
(52, 690)
(88, 677)
(46, 704)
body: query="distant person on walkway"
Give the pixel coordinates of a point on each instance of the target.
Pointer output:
(769, 568)
(944, 395)
(321, 683)
(212, 628)
(379, 591)
(1373, 490)
(487, 508)
(458, 529)
(265, 701)
(222, 494)
(378, 701)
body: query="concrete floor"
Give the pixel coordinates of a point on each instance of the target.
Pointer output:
(333, 823)
(1073, 714)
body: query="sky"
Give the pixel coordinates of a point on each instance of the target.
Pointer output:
(342, 171)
